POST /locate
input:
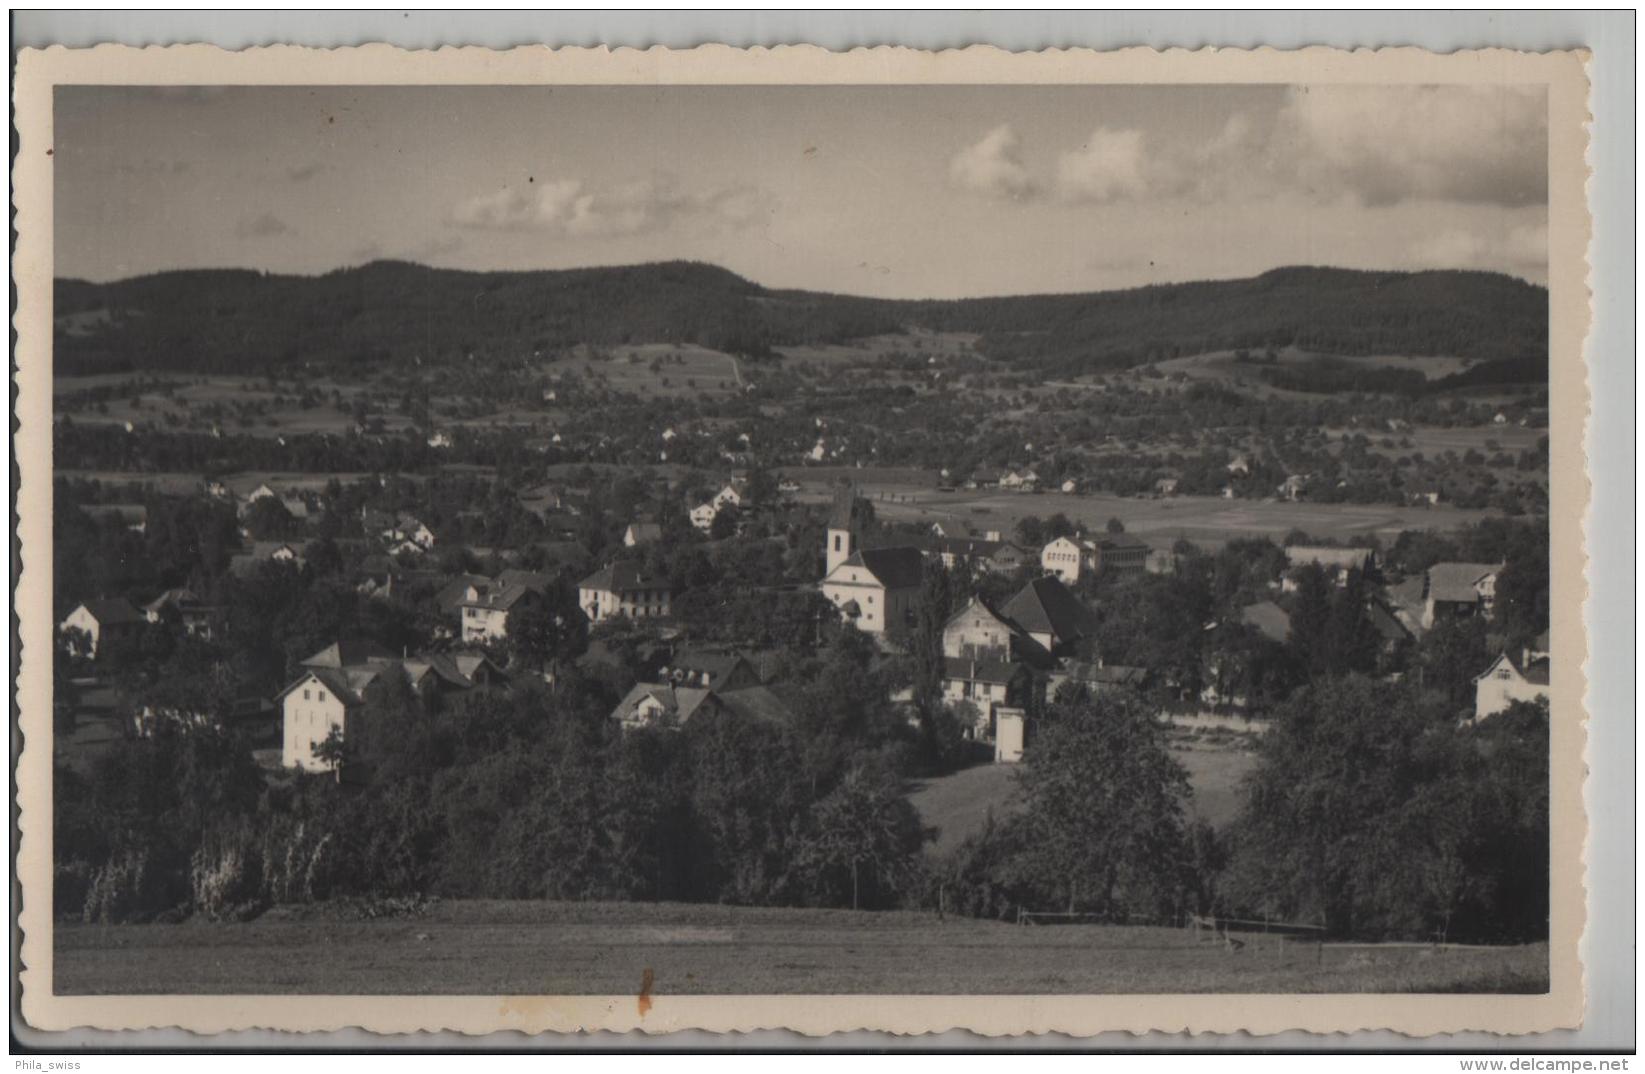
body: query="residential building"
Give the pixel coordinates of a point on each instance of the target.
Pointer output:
(334, 685)
(1063, 557)
(487, 606)
(1507, 681)
(622, 589)
(1457, 590)
(703, 515)
(101, 623)
(669, 706)
(721, 670)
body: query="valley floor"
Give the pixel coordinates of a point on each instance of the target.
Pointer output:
(539, 948)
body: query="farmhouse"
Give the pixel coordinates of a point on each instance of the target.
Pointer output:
(620, 589)
(1097, 677)
(1506, 681)
(1050, 614)
(984, 656)
(102, 622)
(730, 494)
(876, 588)
(1064, 558)
(1458, 590)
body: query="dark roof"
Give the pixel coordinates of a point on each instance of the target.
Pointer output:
(1386, 623)
(1454, 582)
(1113, 541)
(449, 597)
(1269, 618)
(1536, 672)
(959, 667)
(499, 598)
(349, 652)
(716, 665)
(1299, 555)
(840, 512)
(646, 531)
(895, 568)
(114, 610)
(1046, 606)
(756, 703)
(622, 577)
(1107, 674)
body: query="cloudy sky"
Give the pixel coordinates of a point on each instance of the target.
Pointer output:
(905, 192)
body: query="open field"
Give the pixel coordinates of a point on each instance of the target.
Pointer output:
(539, 948)
(959, 805)
(1433, 441)
(199, 402)
(1222, 366)
(682, 369)
(179, 483)
(1205, 520)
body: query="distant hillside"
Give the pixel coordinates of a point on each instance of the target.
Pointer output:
(388, 312)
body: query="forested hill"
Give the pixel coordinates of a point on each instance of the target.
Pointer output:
(241, 321)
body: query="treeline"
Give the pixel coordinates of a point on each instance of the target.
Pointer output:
(387, 313)
(529, 793)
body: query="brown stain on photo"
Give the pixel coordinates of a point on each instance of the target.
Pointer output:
(646, 979)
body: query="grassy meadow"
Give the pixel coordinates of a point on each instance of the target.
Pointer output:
(543, 948)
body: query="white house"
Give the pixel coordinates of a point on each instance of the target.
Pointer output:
(703, 515)
(1505, 682)
(104, 621)
(485, 609)
(728, 495)
(1064, 558)
(622, 590)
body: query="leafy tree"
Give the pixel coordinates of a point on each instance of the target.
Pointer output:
(865, 823)
(550, 629)
(1115, 525)
(925, 644)
(1103, 827)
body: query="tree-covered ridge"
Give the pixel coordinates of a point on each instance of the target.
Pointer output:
(395, 312)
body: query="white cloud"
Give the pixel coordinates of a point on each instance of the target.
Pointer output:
(567, 207)
(1484, 144)
(992, 166)
(1110, 166)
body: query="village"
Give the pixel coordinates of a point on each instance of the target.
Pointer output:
(1026, 620)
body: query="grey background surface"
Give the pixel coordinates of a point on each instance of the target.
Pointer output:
(1608, 948)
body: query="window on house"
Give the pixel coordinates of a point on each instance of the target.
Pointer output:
(319, 695)
(836, 542)
(305, 695)
(1505, 675)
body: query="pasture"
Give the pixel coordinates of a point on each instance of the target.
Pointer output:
(233, 404)
(545, 948)
(959, 805)
(655, 369)
(1206, 520)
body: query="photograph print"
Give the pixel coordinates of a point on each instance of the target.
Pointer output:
(838, 539)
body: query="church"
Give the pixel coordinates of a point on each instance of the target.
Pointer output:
(877, 588)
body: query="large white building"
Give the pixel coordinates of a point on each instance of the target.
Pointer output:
(1063, 557)
(876, 588)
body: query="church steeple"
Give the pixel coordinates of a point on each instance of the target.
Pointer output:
(842, 528)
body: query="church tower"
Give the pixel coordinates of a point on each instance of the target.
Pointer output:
(842, 530)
